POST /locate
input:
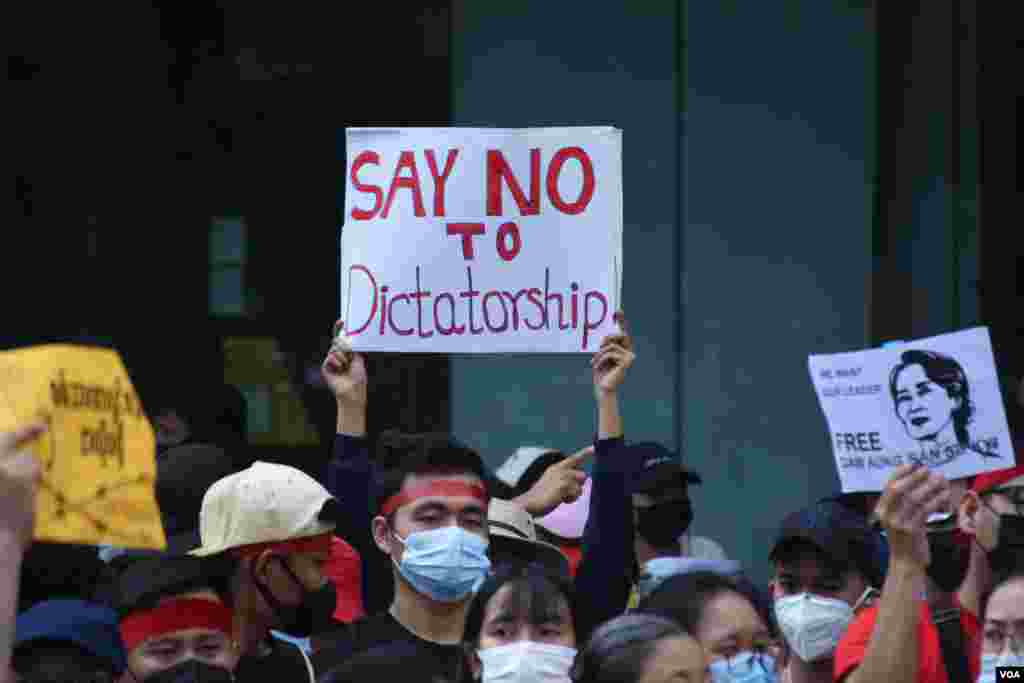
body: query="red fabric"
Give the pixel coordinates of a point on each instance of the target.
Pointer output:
(854, 645)
(992, 480)
(172, 616)
(344, 569)
(320, 543)
(433, 489)
(574, 554)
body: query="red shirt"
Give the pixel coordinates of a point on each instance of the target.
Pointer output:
(344, 569)
(854, 645)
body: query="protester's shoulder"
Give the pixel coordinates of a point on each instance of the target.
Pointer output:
(862, 625)
(335, 647)
(403, 660)
(285, 661)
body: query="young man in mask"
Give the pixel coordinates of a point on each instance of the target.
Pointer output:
(662, 514)
(276, 522)
(826, 564)
(430, 610)
(174, 619)
(916, 631)
(992, 517)
(431, 524)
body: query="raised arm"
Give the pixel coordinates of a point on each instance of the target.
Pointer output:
(892, 651)
(350, 473)
(604, 572)
(19, 479)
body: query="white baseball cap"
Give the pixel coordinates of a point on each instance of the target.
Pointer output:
(265, 503)
(513, 469)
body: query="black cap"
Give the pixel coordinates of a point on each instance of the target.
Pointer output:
(659, 469)
(837, 531)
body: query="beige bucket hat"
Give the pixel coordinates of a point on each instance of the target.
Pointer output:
(514, 537)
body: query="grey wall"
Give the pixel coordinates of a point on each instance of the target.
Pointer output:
(777, 249)
(770, 179)
(571, 63)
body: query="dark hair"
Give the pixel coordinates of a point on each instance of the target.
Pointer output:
(683, 598)
(532, 474)
(139, 581)
(948, 374)
(57, 570)
(537, 588)
(858, 559)
(402, 455)
(619, 650)
(48, 661)
(1015, 575)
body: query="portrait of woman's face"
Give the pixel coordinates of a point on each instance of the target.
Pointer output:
(924, 407)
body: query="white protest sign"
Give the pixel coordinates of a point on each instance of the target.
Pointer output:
(468, 240)
(934, 402)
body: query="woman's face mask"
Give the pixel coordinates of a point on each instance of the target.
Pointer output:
(746, 667)
(526, 662)
(990, 662)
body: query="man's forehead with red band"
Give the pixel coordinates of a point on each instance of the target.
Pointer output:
(457, 492)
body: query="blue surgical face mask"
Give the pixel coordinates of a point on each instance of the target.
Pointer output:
(445, 564)
(990, 662)
(746, 667)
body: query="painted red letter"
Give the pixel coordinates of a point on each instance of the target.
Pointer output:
(440, 180)
(504, 232)
(498, 169)
(586, 192)
(367, 157)
(406, 160)
(467, 230)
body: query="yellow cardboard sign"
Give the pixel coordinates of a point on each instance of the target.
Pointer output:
(98, 456)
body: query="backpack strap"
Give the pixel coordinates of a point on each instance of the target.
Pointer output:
(951, 641)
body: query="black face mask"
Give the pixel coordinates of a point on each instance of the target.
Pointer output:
(950, 559)
(191, 671)
(1008, 555)
(314, 615)
(661, 525)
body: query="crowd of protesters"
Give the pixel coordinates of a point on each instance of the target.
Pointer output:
(408, 560)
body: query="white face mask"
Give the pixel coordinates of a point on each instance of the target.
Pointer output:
(526, 662)
(990, 662)
(813, 625)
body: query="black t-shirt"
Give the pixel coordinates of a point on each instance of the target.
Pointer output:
(285, 662)
(400, 661)
(377, 633)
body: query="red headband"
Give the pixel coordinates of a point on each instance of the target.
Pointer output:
(320, 543)
(174, 615)
(434, 489)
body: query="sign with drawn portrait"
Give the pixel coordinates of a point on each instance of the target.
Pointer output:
(934, 402)
(98, 455)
